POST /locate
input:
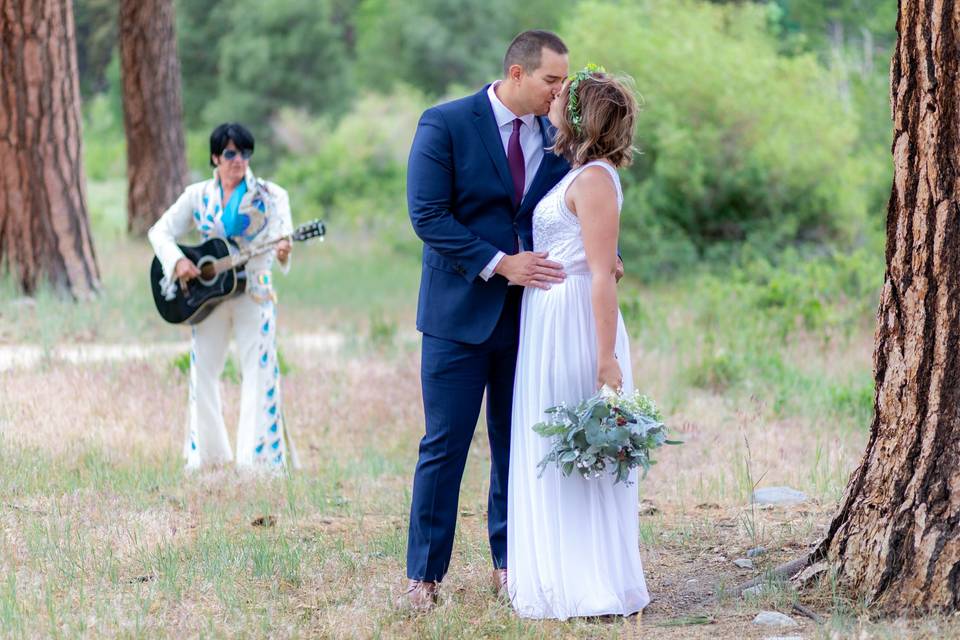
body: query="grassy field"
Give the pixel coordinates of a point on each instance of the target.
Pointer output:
(103, 535)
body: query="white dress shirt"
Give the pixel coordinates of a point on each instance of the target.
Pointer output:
(531, 141)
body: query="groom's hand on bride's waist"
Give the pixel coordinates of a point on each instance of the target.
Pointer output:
(530, 269)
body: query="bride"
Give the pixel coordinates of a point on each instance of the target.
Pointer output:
(572, 542)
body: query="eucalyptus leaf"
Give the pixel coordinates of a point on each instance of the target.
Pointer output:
(587, 438)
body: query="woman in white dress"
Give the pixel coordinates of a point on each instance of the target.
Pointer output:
(573, 543)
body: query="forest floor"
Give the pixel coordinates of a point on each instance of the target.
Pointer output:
(102, 534)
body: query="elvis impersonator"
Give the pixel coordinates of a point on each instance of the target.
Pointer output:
(243, 209)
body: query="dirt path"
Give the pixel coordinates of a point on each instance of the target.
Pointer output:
(19, 356)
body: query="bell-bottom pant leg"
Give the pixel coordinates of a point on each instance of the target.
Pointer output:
(207, 441)
(260, 437)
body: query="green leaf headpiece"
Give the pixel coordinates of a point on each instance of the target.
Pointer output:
(573, 103)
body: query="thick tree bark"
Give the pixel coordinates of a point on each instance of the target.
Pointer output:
(152, 112)
(44, 230)
(896, 537)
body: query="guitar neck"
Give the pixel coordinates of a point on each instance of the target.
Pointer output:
(236, 260)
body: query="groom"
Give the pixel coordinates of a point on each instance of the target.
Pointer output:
(478, 166)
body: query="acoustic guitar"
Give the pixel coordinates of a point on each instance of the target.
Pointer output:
(219, 263)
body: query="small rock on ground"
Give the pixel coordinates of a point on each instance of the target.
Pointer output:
(774, 619)
(755, 591)
(779, 495)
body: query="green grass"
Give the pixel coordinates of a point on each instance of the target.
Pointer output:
(243, 580)
(109, 538)
(355, 282)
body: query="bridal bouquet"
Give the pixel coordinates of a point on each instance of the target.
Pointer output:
(607, 431)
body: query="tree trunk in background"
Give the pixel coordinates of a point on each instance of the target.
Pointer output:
(152, 112)
(896, 537)
(44, 229)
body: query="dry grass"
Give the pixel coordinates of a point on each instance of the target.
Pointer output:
(102, 535)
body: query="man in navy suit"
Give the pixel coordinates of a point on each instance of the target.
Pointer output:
(477, 168)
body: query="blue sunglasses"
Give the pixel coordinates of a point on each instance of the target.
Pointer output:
(230, 154)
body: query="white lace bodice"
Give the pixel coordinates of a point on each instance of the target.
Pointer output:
(557, 230)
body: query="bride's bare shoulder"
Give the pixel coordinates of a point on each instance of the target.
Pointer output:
(595, 184)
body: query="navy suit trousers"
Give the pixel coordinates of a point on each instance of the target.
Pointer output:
(454, 376)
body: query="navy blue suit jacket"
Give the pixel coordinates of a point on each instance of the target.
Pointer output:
(460, 198)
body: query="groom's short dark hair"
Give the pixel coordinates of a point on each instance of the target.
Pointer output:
(526, 49)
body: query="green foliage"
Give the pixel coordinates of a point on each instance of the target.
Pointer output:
(200, 26)
(812, 292)
(231, 371)
(433, 44)
(356, 169)
(855, 398)
(738, 143)
(95, 23)
(822, 25)
(717, 370)
(281, 53)
(104, 145)
(854, 39)
(745, 316)
(762, 128)
(383, 330)
(606, 433)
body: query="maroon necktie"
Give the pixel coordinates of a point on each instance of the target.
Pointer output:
(515, 161)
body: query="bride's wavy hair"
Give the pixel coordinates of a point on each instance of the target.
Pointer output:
(608, 112)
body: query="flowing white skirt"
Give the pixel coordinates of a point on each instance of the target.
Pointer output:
(572, 544)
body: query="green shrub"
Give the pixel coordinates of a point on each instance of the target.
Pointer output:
(435, 44)
(855, 399)
(718, 370)
(231, 370)
(354, 170)
(104, 144)
(284, 53)
(745, 330)
(739, 143)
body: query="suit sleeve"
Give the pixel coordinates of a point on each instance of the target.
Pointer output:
(430, 175)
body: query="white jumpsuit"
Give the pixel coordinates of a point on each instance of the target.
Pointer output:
(261, 438)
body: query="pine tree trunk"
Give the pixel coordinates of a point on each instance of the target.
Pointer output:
(44, 229)
(896, 537)
(152, 112)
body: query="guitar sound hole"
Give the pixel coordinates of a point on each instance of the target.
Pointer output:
(208, 272)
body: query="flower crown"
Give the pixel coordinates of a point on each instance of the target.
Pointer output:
(573, 104)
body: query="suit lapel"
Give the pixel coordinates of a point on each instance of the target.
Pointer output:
(490, 135)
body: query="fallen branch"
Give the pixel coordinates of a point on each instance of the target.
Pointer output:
(783, 571)
(810, 613)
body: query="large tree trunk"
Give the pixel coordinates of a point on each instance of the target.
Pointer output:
(44, 230)
(896, 537)
(152, 113)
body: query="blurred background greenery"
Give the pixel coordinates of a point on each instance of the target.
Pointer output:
(765, 124)
(753, 216)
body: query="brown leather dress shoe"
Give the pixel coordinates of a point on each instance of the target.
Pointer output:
(420, 596)
(499, 577)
